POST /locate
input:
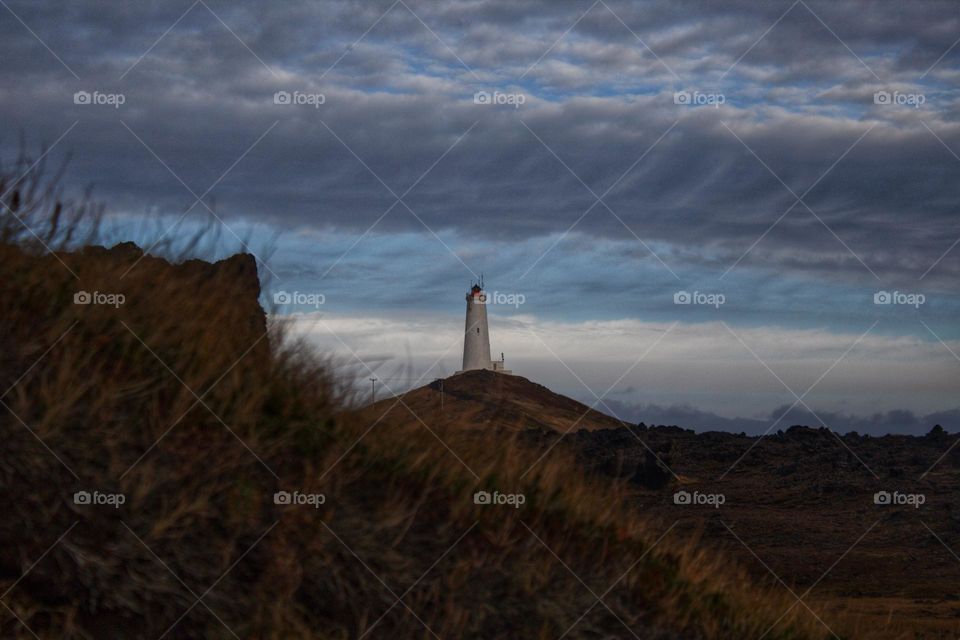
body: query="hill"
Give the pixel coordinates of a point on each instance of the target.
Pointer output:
(486, 400)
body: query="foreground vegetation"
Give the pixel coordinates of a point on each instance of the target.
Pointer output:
(180, 400)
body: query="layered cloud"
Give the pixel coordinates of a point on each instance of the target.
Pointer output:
(599, 85)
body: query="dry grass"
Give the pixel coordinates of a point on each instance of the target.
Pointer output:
(93, 389)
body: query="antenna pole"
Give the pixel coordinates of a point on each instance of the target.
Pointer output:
(440, 382)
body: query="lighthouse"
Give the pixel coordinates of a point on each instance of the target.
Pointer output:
(476, 335)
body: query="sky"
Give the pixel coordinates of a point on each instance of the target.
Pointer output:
(733, 215)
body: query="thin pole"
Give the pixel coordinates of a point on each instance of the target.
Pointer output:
(373, 390)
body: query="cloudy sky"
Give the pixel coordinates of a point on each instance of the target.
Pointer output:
(782, 163)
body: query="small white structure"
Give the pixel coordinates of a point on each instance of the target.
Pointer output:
(476, 335)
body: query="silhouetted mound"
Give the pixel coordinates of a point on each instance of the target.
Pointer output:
(495, 402)
(487, 400)
(119, 380)
(96, 286)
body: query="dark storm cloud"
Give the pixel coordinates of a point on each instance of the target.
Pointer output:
(400, 99)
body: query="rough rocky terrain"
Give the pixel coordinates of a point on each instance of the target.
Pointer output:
(798, 506)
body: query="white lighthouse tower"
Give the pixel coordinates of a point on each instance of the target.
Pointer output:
(476, 335)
